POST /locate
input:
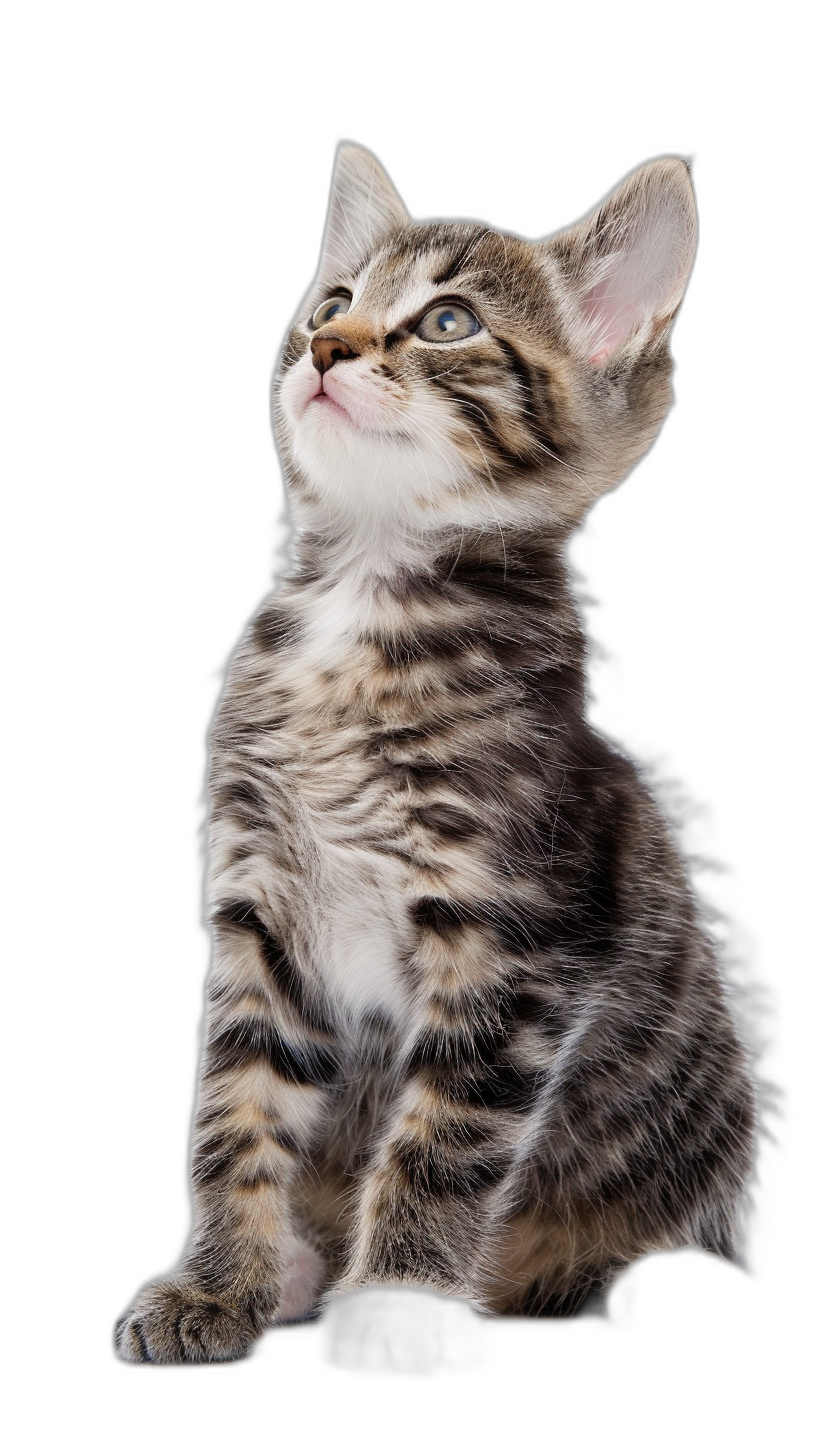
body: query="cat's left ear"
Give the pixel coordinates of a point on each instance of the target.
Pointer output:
(364, 207)
(626, 267)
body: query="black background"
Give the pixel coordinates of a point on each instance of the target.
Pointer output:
(210, 184)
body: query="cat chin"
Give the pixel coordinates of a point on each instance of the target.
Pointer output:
(367, 475)
(373, 464)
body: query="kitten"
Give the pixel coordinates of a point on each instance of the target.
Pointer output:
(465, 1030)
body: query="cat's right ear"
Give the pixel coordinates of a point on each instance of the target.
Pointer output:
(364, 207)
(626, 266)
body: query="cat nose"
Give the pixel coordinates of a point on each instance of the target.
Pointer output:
(328, 351)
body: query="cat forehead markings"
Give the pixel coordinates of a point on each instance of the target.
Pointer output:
(416, 267)
(429, 262)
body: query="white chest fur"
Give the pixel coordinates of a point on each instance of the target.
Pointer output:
(354, 902)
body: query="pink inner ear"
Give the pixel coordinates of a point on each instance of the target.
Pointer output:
(611, 314)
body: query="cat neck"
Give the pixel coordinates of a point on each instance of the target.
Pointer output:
(456, 578)
(390, 559)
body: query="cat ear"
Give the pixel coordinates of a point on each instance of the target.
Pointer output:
(364, 208)
(627, 266)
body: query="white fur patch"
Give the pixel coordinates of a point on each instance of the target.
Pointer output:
(303, 1283)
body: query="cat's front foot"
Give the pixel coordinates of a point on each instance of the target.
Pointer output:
(402, 1330)
(175, 1323)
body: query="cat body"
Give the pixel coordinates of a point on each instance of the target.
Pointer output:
(465, 1030)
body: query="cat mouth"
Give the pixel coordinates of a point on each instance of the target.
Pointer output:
(357, 414)
(327, 403)
(320, 401)
(347, 403)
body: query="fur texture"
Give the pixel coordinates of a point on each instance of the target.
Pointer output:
(465, 1029)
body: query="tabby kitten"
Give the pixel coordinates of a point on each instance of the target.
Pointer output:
(465, 1029)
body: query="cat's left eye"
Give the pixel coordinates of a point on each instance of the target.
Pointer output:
(337, 304)
(447, 322)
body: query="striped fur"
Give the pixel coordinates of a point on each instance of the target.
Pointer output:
(465, 1028)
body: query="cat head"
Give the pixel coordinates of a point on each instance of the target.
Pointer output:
(443, 374)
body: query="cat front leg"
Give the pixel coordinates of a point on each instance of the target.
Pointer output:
(437, 1181)
(265, 1083)
(430, 1198)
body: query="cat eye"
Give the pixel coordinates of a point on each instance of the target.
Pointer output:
(337, 304)
(447, 322)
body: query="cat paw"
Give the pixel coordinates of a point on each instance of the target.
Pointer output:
(409, 1331)
(173, 1323)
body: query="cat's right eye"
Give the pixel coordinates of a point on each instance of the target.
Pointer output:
(337, 304)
